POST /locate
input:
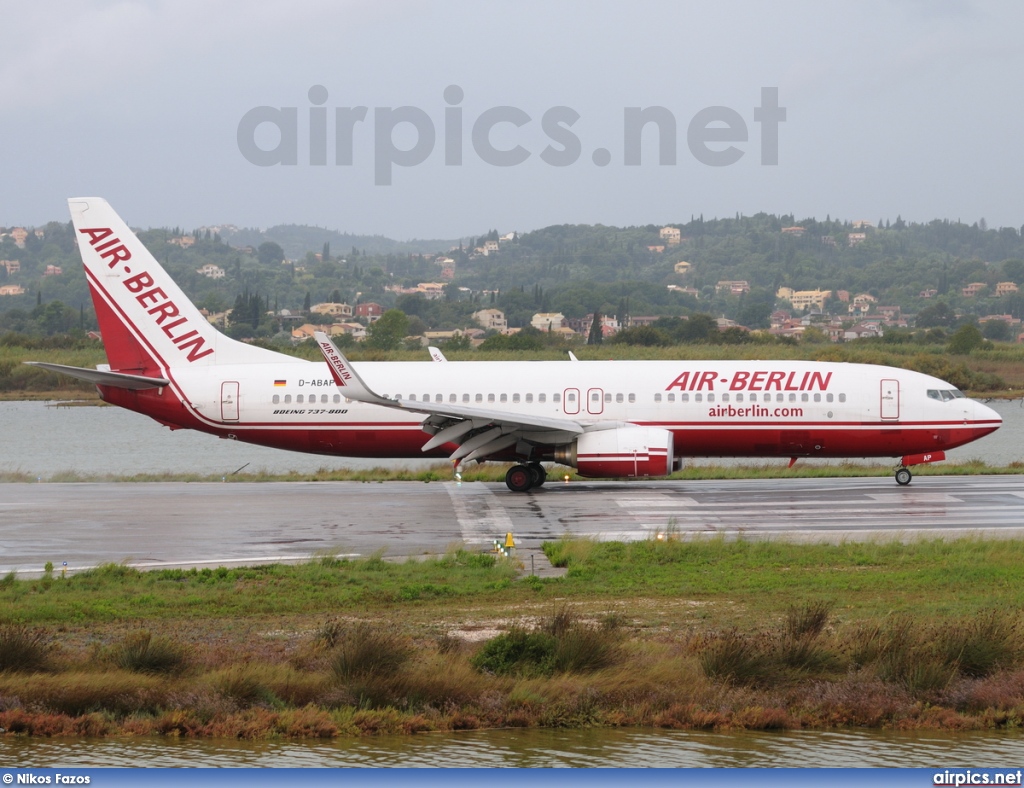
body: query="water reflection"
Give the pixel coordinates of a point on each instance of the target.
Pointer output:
(41, 441)
(540, 748)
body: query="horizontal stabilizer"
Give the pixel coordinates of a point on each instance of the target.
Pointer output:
(119, 380)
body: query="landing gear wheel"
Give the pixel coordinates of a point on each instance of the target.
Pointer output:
(519, 478)
(538, 474)
(903, 476)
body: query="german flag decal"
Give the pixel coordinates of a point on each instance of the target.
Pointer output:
(280, 382)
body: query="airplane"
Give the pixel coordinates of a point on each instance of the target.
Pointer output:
(606, 419)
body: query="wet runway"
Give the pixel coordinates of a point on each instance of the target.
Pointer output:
(186, 524)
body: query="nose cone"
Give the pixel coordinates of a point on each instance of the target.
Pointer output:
(985, 420)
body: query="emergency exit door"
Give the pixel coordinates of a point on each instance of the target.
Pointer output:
(890, 399)
(229, 400)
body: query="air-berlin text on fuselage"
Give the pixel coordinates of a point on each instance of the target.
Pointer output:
(760, 380)
(153, 299)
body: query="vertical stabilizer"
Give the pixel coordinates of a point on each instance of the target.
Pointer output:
(147, 322)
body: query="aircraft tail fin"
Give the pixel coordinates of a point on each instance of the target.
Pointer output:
(147, 322)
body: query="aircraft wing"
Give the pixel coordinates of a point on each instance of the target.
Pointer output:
(101, 377)
(478, 431)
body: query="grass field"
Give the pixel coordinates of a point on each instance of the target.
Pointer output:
(701, 634)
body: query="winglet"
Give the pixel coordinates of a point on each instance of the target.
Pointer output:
(436, 354)
(344, 375)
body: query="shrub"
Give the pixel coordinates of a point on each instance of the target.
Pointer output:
(22, 649)
(140, 652)
(735, 657)
(809, 620)
(979, 646)
(366, 649)
(517, 652)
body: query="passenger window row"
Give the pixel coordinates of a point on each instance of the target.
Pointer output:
(766, 397)
(300, 399)
(595, 396)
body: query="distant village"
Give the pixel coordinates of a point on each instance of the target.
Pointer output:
(839, 314)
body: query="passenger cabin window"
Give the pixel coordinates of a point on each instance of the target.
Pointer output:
(595, 397)
(337, 399)
(817, 397)
(439, 398)
(804, 397)
(490, 398)
(792, 397)
(711, 397)
(453, 398)
(842, 398)
(684, 397)
(479, 398)
(277, 398)
(556, 397)
(541, 397)
(515, 398)
(607, 397)
(571, 396)
(828, 398)
(504, 398)
(618, 398)
(465, 397)
(287, 398)
(672, 397)
(725, 397)
(739, 397)
(657, 397)
(698, 397)
(529, 397)
(412, 397)
(298, 399)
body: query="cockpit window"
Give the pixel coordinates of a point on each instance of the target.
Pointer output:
(945, 395)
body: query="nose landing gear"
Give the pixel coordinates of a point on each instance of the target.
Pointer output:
(903, 476)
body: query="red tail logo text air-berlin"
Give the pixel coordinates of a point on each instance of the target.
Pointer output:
(153, 299)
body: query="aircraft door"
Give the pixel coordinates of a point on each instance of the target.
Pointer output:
(229, 400)
(890, 399)
(595, 402)
(571, 401)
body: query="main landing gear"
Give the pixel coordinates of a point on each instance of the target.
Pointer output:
(903, 476)
(521, 478)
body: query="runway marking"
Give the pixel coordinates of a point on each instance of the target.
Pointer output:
(481, 516)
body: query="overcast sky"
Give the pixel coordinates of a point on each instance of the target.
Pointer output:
(892, 107)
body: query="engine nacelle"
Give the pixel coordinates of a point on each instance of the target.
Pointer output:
(628, 452)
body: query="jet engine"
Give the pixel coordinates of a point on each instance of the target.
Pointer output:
(625, 452)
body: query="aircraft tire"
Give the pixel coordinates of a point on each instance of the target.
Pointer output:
(538, 474)
(903, 476)
(519, 478)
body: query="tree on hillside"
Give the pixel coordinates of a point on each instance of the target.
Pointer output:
(964, 340)
(997, 330)
(388, 332)
(939, 314)
(270, 253)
